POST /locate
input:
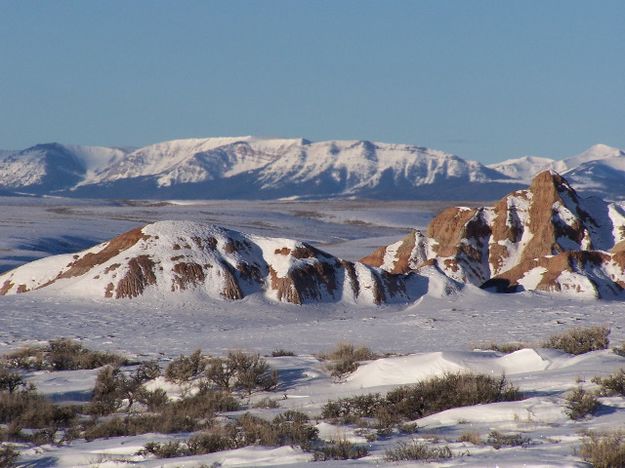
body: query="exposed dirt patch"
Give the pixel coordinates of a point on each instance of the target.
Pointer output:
(231, 289)
(447, 229)
(375, 259)
(140, 275)
(112, 248)
(112, 267)
(305, 282)
(187, 274)
(250, 272)
(403, 256)
(6, 287)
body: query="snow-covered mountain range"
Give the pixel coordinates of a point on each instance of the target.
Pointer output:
(254, 168)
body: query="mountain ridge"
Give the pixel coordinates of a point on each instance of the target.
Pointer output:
(255, 168)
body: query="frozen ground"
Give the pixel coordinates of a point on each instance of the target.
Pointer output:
(434, 335)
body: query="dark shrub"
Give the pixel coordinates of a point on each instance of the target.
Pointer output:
(203, 404)
(257, 431)
(345, 358)
(604, 450)
(498, 440)
(580, 340)
(8, 455)
(148, 370)
(251, 372)
(282, 352)
(449, 391)
(360, 406)
(62, 354)
(219, 372)
(109, 391)
(184, 368)
(209, 442)
(10, 380)
(504, 348)
(425, 398)
(415, 450)
(293, 428)
(580, 403)
(613, 384)
(28, 409)
(340, 450)
(169, 449)
(154, 400)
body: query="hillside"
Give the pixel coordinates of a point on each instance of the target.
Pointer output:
(544, 238)
(167, 258)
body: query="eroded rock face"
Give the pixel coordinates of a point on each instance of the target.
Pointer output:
(173, 257)
(546, 227)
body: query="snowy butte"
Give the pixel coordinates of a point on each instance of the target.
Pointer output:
(167, 258)
(543, 238)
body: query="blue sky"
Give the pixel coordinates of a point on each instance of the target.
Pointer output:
(486, 80)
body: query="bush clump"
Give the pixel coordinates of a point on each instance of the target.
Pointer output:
(472, 437)
(113, 388)
(184, 368)
(417, 450)
(28, 409)
(280, 352)
(604, 450)
(238, 370)
(61, 354)
(580, 340)
(289, 428)
(340, 449)
(8, 455)
(504, 348)
(498, 439)
(10, 380)
(425, 398)
(614, 384)
(345, 358)
(580, 403)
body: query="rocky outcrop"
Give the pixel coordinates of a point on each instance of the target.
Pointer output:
(543, 238)
(179, 257)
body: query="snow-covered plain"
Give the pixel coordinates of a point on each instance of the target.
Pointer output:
(432, 336)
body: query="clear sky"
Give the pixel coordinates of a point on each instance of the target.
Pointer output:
(487, 80)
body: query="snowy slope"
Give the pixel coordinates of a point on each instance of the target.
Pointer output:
(52, 167)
